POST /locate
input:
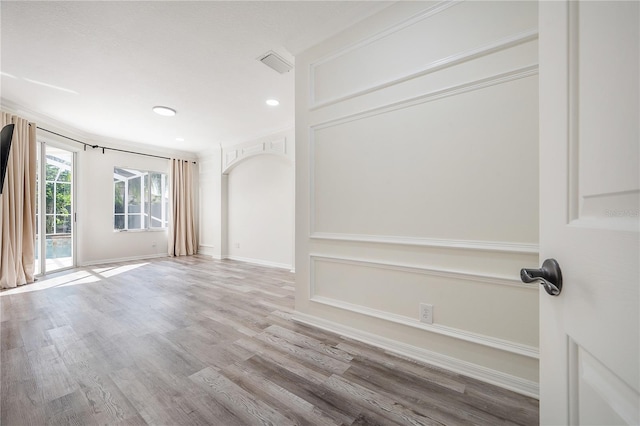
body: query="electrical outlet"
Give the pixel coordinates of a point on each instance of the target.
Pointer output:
(426, 313)
(153, 244)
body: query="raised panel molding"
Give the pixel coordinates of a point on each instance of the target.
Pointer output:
(433, 10)
(457, 89)
(497, 246)
(504, 380)
(480, 339)
(478, 84)
(496, 343)
(457, 58)
(234, 156)
(253, 149)
(444, 273)
(278, 146)
(440, 64)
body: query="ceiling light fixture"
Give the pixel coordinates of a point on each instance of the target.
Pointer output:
(163, 110)
(180, 139)
(273, 102)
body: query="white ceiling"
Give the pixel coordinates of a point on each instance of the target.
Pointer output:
(99, 67)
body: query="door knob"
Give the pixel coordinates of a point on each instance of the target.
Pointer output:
(549, 276)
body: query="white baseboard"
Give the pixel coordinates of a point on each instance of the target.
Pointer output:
(488, 375)
(207, 250)
(260, 262)
(456, 333)
(123, 259)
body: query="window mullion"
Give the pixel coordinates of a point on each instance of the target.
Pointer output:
(126, 204)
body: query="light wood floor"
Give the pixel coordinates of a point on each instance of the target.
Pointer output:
(194, 341)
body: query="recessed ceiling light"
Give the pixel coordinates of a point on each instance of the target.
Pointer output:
(273, 102)
(180, 139)
(163, 110)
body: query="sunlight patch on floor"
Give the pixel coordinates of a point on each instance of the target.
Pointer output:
(71, 278)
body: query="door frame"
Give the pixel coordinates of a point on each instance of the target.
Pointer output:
(43, 142)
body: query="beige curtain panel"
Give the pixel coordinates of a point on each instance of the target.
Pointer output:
(18, 206)
(182, 230)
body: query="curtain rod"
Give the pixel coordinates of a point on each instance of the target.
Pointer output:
(102, 147)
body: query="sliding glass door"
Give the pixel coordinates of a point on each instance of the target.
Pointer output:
(55, 213)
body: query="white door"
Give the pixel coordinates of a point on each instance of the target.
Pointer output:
(55, 245)
(589, 202)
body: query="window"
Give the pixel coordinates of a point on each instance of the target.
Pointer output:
(141, 199)
(58, 195)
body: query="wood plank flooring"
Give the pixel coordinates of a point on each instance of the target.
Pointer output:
(195, 341)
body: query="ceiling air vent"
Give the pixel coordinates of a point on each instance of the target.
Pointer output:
(276, 62)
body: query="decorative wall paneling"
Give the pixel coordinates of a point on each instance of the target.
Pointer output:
(234, 155)
(408, 315)
(500, 246)
(470, 369)
(501, 263)
(336, 149)
(258, 187)
(411, 130)
(359, 68)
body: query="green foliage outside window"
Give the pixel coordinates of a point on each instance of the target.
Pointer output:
(141, 199)
(58, 200)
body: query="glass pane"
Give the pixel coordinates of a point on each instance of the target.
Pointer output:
(118, 221)
(156, 214)
(58, 222)
(165, 219)
(37, 248)
(49, 202)
(63, 198)
(146, 187)
(134, 221)
(118, 187)
(52, 171)
(135, 197)
(64, 176)
(58, 246)
(50, 228)
(63, 224)
(156, 186)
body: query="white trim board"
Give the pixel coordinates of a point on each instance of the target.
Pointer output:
(260, 262)
(445, 273)
(208, 250)
(503, 380)
(444, 92)
(467, 336)
(450, 61)
(500, 246)
(469, 86)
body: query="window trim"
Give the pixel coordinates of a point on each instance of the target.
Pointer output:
(145, 191)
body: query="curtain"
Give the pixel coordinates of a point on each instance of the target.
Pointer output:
(182, 230)
(18, 206)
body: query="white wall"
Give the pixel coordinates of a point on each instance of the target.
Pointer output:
(96, 241)
(247, 201)
(260, 210)
(211, 241)
(417, 181)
